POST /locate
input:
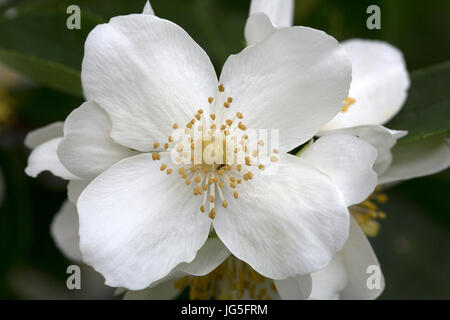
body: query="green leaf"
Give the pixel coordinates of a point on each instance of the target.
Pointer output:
(48, 73)
(36, 42)
(426, 112)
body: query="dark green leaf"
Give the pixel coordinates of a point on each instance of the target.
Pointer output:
(426, 113)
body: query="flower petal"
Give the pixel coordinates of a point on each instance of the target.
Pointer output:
(75, 188)
(148, 9)
(381, 138)
(257, 28)
(328, 282)
(87, 148)
(208, 258)
(137, 223)
(279, 83)
(147, 73)
(44, 158)
(41, 135)
(348, 160)
(379, 84)
(358, 256)
(297, 288)
(419, 159)
(285, 224)
(280, 12)
(64, 230)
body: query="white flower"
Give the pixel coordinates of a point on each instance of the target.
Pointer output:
(378, 90)
(139, 220)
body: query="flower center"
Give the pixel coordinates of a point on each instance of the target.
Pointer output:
(233, 279)
(367, 212)
(212, 152)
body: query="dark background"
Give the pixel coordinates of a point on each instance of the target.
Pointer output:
(413, 245)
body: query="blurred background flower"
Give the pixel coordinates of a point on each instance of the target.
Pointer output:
(36, 44)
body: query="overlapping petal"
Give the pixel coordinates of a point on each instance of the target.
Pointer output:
(147, 73)
(279, 83)
(137, 223)
(348, 160)
(379, 84)
(87, 148)
(285, 224)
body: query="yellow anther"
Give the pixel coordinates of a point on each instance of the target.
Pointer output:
(221, 184)
(232, 179)
(229, 122)
(213, 116)
(202, 208)
(156, 156)
(348, 102)
(239, 167)
(250, 175)
(175, 125)
(189, 125)
(275, 150)
(205, 187)
(273, 158)
(188, 182)
(239, 115)
(212, 213)
(211, 198)
(261, 143)
(163, 167)
(239, 181)
(235, 194)
(169, 171)
(232, 185)
(197, 179)
(198, 116)
(224, 204)
(230, 99)
(156, 145)
(210, 99)
(261, 167)
(221, 88)
(166, 146)
(181, 171)
(226, 105)
(223, 127)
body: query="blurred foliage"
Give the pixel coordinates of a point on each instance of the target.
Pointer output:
(414, 240)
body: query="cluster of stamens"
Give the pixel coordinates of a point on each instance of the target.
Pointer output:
(233, 279)
(206, 152)
(367, 212)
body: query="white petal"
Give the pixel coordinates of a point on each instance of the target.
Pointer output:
(257, 28)
(328, 283)
(44, 158)
(147, 73)
(137, 223)
(358, 256)
(348, 160)
(381, 138)
(279, 83)
(419, 159)
(280, 12)
(163, 291)
(75, 188)
(87, 148)
(148, 9)
(297, 288)
(208, 258)
(41, 135)
(64, 230)
(379, 84)
(285, 224)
